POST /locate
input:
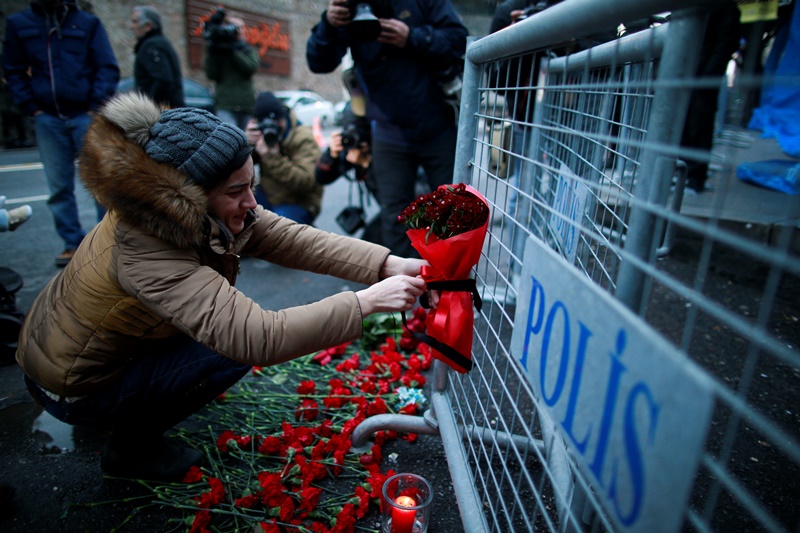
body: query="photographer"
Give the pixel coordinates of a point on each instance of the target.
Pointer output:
(231, 63)
(400, 68)
(349, 155)
(286, 153)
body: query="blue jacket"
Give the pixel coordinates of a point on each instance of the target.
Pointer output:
(404, 99)
(62, 64)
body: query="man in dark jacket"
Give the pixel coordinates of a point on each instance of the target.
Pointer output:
(60, 69)
(400, 70)
(156, 69)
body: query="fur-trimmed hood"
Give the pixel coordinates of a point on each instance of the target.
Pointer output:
(154, 196)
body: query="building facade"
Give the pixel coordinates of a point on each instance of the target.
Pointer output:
(277, 28)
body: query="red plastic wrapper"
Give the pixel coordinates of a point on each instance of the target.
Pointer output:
(451, 259)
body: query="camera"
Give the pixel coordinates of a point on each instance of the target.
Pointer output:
(220, 35)
(270, 129)
(365, 26)
(535, 8)
(355, 133)
(351, 219)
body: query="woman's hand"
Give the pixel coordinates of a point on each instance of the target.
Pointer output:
(407, 266)
(396, 293)
(395, 265)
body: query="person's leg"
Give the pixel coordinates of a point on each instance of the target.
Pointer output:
(438, 158)
(175, 378)
(395, 171)
(19, 125)
(58, 158)
(78, 126)
(8, 140)
(294, 212)
(698, 133)
(151, 393)
(372, 231)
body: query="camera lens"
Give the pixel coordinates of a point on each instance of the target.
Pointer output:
(350, 137)
(270, 130)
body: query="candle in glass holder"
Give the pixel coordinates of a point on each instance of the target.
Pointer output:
(405, 504)
(403, 517)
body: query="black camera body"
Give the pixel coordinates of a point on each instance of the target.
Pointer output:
(219, 35)
(356, 133)
(351, 219)
(271, 130)
(365, 26)
(382, 9)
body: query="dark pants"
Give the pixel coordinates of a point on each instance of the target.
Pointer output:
(396, 169)
(164, 385)
(698, 132)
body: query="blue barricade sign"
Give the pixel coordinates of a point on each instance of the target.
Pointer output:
(632, 410)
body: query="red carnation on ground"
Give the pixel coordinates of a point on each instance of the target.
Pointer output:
(194, 475)
(307, 387)
(308, 410)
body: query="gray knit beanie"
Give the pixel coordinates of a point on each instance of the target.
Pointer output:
(198, 143)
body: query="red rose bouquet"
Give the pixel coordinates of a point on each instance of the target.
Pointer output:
(447, 227)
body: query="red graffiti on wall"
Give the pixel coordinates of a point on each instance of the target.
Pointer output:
(263, 37)
(267, 37)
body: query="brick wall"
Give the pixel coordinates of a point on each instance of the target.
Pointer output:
(300, 14)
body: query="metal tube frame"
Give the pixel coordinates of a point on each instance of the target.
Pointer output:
(575, 18)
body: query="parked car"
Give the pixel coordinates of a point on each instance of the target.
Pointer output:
(338, 109)
(194, 94)
(307, 106)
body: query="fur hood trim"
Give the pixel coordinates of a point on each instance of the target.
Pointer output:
(156, 197)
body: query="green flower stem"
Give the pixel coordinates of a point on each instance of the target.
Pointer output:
(237, 512)
(129, 499)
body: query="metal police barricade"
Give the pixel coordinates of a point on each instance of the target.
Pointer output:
(617, 385)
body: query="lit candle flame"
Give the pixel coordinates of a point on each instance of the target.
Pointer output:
(403, 518)
(405, 501)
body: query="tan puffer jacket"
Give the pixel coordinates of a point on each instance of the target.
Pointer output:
(158, 265)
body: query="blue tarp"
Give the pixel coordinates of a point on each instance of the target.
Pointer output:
(779, 112)
(777, 174)
(778, 115)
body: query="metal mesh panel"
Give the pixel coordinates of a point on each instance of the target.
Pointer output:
(577, 150)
